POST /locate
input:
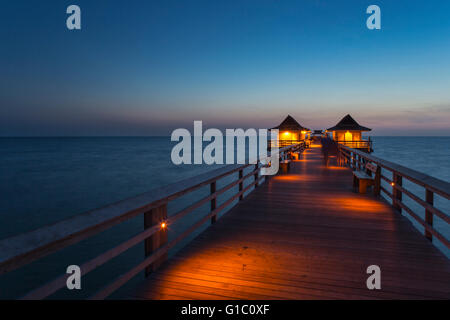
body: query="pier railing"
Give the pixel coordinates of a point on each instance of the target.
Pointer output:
(357, 160)
(285, 143)
(357, 144)
(26, 248)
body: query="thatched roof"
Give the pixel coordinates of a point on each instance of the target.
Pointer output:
(348, 123)
(290, 124)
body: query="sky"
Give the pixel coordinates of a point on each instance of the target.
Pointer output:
(141, 67)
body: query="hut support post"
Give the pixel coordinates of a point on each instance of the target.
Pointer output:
(151, 218)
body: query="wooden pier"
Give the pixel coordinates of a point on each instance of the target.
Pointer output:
(304, 234)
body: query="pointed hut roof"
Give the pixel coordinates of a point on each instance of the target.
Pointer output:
(291, 124)
(348, 123)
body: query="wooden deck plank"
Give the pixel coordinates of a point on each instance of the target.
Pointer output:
(335, 289)
(304, 235)
(302, 261)
(429, 288)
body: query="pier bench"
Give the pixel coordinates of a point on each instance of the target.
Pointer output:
(295, 155)
(363, 179)
(285, 166)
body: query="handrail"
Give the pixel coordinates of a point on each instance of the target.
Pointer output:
(356, 159)
(284, 143)
(362, 144)
(25, 248)
(438, 186)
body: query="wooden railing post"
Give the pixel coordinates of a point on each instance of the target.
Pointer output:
(397, 194)
(349, 159)
(364, 163)
(213, 202)
(377, 182)
(256, 175)
(241, 184)
(353, 161)
(339, 156)
(156, 216)
(429, 198)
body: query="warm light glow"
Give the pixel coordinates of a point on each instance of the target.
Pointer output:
(163, 225)
(392, 184)
(348, 136)
(296, 178)
(334, 168)
(303, 132)
(286, 133)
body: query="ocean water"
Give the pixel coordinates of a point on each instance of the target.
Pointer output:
(45, 180)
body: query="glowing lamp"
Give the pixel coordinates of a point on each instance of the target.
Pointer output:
(286, 133)
(303, 132)
(392, 184)
(163, 225)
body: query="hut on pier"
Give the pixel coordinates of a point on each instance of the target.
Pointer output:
(290, 132)
(349, 133)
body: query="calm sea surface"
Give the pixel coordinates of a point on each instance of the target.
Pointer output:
(45, 180)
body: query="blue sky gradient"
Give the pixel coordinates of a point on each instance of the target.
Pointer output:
(148, 67)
